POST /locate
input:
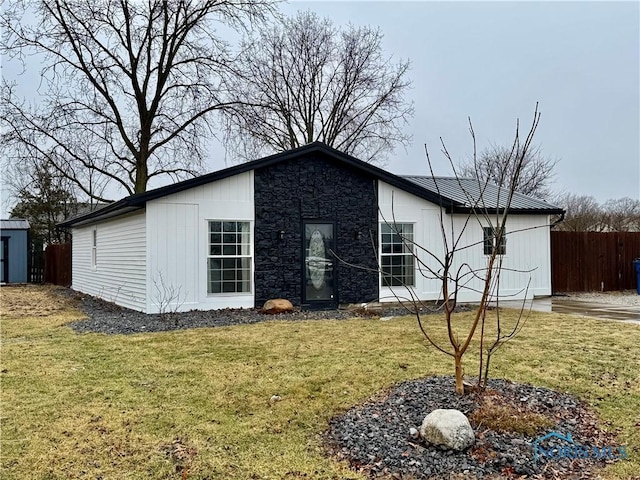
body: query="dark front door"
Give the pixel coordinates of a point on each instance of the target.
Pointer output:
(319, 280)
(4, 260)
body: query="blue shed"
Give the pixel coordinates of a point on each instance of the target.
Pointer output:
(14, 251)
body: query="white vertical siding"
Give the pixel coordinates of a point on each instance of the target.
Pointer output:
(527, 256)
(401, 207)
(120, 272)
(177, 239)
(171, 273)
(526, 264)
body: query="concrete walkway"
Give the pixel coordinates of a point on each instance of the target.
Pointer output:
(572, 306)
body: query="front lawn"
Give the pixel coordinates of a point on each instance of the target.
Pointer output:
(197, 403)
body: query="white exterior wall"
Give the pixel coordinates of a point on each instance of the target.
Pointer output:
(119, 275)
(527, 251)
(526, 269)
(177, 240)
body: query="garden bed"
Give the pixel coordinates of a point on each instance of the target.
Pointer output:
(374, 437)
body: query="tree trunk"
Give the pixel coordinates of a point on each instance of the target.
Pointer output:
(141, 178)
(142, 171)
(459, 374)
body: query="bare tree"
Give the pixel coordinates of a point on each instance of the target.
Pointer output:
(168, 297)
(456, 276)
(127, 87)
(305, 80)
(495, 164)
(583, 213)
(622, 215)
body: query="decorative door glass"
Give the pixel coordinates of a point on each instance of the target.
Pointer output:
(319, 262)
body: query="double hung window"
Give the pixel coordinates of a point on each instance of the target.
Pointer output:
(396, 260)
(229, 257)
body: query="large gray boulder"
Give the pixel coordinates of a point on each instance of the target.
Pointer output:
(448, 428)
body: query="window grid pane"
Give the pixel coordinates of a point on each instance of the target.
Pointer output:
(397, 261)
(229, 262)
(490, 241)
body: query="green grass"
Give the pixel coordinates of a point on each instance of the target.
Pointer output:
(196, 404)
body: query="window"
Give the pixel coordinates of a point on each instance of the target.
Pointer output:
(397, 260)
(229, 259)
(94, 249)
(491, 239)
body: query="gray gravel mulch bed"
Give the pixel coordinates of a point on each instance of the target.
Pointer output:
(106, 317)
(374, 437)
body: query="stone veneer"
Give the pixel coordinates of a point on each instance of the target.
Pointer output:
(314, 188)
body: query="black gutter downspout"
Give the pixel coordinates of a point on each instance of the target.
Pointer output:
(559, 220)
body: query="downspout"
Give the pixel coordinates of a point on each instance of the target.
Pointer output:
(559, 220)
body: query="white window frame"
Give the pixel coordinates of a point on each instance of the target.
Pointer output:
(242, 250)
(406, 247)
(94, 248)
(488, 233)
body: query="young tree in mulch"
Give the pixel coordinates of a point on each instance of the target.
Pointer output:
(457, 276)
(375, 437)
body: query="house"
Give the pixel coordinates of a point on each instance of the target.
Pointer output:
(14, 251)
(303, 225)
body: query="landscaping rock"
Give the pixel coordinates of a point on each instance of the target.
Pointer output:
(105, 317)
(373, 437)
(277, 305)
(448, 428)
(109, 318)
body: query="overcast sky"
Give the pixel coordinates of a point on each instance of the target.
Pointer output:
(492, 61)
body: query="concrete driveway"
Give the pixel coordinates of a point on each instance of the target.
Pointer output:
(572, 306)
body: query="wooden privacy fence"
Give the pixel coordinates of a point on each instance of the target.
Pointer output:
(57, 264)
(35, 264)
(593, 261)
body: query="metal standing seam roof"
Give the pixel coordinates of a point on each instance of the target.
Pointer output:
(470, 192)
(451, 196)
(14, 224)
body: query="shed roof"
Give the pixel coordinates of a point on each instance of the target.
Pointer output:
(453, 203)
(14, 224)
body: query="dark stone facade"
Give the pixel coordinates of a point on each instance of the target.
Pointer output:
(314, 188)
